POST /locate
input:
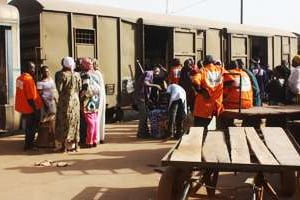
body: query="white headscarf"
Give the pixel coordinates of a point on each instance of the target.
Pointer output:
(68, 62)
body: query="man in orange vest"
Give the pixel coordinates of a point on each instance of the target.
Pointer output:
(209, 86)
(28, 102)
(232, 87)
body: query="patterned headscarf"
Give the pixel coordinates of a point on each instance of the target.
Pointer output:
(296, 60)
(68, 62)
(86, 64)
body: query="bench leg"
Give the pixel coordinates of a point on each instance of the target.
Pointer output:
(211, 180)
(260, 183)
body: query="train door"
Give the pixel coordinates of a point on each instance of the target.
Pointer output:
(239, 48)
(184, 44)
(156, 45)
(6, 78)
(259, 49)
(128, 53)
(3, 71)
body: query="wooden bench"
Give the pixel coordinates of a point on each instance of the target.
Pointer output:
(238, 149)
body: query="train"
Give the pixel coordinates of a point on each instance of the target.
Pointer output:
(52, 29)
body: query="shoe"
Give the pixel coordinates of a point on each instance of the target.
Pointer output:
(101, 141)
(94, 145)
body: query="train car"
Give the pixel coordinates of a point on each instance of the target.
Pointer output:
(9, 65)
(52, 29)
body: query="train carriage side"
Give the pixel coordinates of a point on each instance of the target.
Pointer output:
(9, 65)
(270, 45)
(56, 33)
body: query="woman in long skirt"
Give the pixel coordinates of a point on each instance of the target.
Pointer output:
(68, 85)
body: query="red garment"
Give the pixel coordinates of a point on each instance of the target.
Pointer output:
(209, 78)
(26, 90)
(231, 94)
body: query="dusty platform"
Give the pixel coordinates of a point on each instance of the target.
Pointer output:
(122, 168)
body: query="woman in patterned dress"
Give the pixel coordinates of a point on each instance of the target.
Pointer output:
(68, 84)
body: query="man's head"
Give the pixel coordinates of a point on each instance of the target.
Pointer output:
(188, 63)
(296, 61)
(233, 65)
(45, 71)
(29, 68)
(176, 62)
(208, 59)
(156, 71)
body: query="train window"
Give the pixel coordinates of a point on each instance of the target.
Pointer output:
(85, 36)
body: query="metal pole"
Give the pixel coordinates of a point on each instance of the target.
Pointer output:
(242, 10)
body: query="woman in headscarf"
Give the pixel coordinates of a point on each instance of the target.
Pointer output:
(90, 101)
(102, 104)
(68, 84)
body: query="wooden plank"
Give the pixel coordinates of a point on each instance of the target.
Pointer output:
(190, 146)
(260, 150)
(215, 148)
(239, 147)
(280, 145)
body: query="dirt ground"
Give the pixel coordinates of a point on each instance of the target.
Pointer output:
(120, 169)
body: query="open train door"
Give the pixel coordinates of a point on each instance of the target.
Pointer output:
(184, 44)
(239, 47)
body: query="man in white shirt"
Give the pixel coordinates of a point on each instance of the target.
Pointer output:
(177, 110)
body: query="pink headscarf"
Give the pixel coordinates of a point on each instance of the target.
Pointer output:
(86, 64)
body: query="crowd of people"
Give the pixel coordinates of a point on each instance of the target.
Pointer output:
(72, 106)
(207, 88)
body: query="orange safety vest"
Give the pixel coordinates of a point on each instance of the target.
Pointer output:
(25, 90)
(231, 94)
(210, 78)
(174, 74)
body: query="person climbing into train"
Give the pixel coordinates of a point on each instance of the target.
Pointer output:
(208, 84)
(174, 72)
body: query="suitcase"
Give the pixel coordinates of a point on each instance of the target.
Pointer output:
(158, 123)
